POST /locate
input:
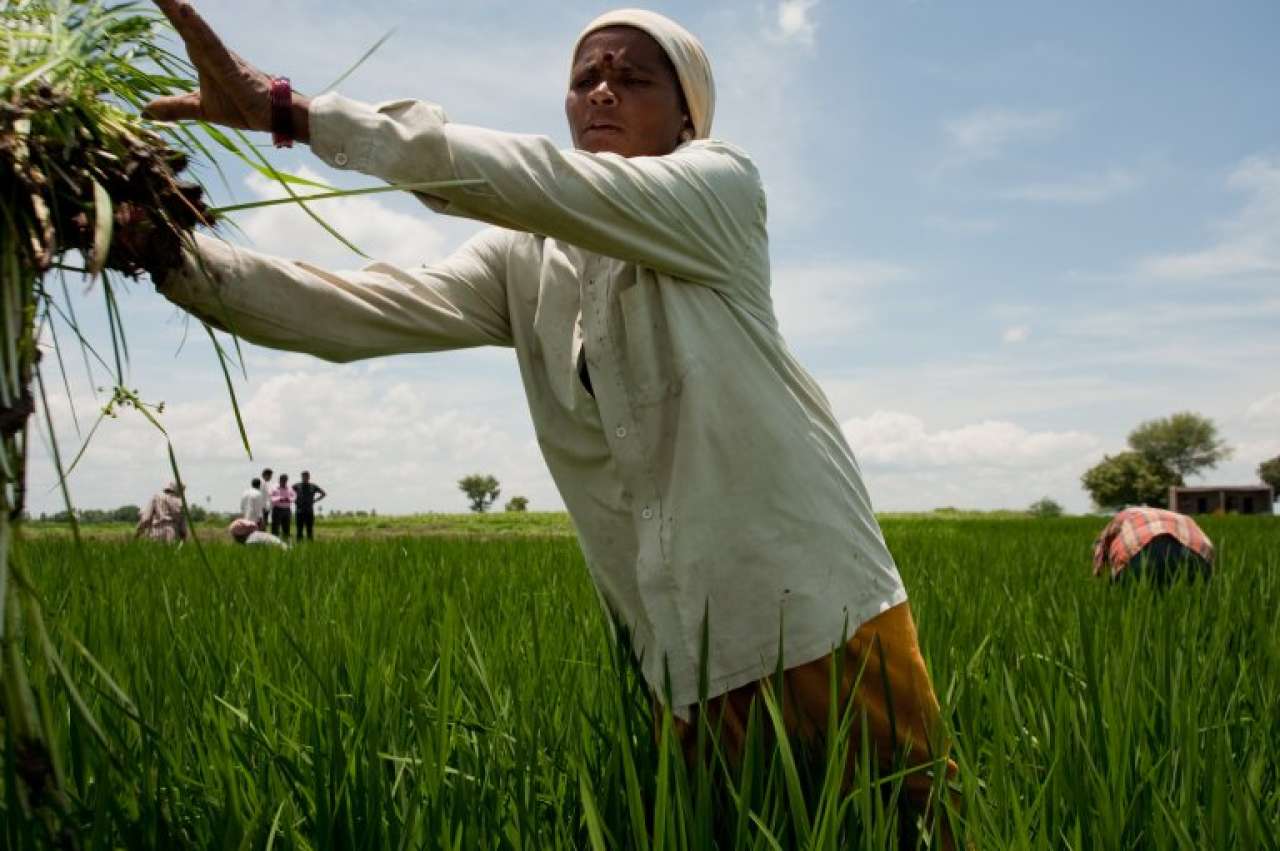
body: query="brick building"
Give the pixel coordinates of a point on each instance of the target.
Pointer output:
(1222, 499)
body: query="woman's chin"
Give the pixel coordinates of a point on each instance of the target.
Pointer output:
(605, 146)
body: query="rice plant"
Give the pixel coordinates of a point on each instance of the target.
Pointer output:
(91, 193)
(468, 693)
(465, 692)
(76, 166)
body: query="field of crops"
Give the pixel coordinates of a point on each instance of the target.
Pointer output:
(463, 692)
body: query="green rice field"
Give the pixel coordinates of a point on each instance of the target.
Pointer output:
(462, 691)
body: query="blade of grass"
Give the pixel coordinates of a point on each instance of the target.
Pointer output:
(426, 186)
(347, 73)
(231, 390)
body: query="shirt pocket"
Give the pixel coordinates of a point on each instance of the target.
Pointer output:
(657, 366)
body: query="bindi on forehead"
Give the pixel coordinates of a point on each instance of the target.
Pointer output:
(620, 45)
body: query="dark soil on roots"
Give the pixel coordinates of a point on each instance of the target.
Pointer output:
(52, 152)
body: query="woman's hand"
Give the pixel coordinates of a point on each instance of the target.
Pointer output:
(232, 92)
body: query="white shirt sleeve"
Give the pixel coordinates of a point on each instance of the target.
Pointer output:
(343, 316)
(689, 213)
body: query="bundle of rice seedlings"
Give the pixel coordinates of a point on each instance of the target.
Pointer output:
(87, 187)
(80, 174)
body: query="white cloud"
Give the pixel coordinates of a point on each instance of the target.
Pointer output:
(986, 133)
(891, 439)
(1016, 334)
(988, 464)
(764, 105)
(371, 437)
(1174, 319)
(1087, 189)
(795, 22)
(1265, 412)
(822, 300)
(1249, 242)
(370, 224)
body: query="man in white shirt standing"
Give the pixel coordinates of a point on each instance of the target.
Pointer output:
(264, 492)
(253, 502)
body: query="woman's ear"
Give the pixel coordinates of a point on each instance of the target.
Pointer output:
(686, 132)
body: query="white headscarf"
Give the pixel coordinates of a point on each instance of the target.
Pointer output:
(686, 54)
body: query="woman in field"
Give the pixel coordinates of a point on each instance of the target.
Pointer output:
(707, 477)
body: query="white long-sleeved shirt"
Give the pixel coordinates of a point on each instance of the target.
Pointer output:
(253, 504)
(707, 474)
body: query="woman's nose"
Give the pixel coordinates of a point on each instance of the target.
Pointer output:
(602, 95)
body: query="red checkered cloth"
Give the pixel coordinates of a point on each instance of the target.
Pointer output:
(1133, 528)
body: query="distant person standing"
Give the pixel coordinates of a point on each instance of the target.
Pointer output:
(253, 502)
(267, 476)
(306, 496)
(281, 508)
(162, 518)
(1161, 545)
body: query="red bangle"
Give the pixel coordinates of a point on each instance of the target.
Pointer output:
(281, 112)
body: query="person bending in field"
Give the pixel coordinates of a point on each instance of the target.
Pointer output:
(306, 495)
(244, 531)
(1150, 542)
(705, 472)
(162, 518)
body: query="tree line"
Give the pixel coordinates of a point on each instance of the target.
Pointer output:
(1162, 454)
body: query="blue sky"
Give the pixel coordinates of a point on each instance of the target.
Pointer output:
(1003, 234)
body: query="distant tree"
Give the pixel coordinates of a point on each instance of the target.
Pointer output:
(127, 514)
(1185, 443)
(518, 503)
(1129, 478)
(1045, 507)
(481, 490)
(1269, 472)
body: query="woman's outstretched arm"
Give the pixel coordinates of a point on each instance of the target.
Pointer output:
(692, 213)
(343, 316)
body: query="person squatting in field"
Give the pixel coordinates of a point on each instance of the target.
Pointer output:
(162, 518)
(1159, 545)
(245, 531)
(703, 467)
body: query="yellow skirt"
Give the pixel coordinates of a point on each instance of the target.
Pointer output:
(884, 676)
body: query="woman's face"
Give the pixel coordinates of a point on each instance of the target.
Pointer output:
(624, 97)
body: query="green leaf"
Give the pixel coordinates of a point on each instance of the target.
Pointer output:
(103, 221)
(349, 193)
(347, 73)
(231, 390)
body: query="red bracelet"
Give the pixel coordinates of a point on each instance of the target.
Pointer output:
(281, 112)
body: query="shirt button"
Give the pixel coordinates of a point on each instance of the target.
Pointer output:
(647, 514)
(340, 159)
(620, 431)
